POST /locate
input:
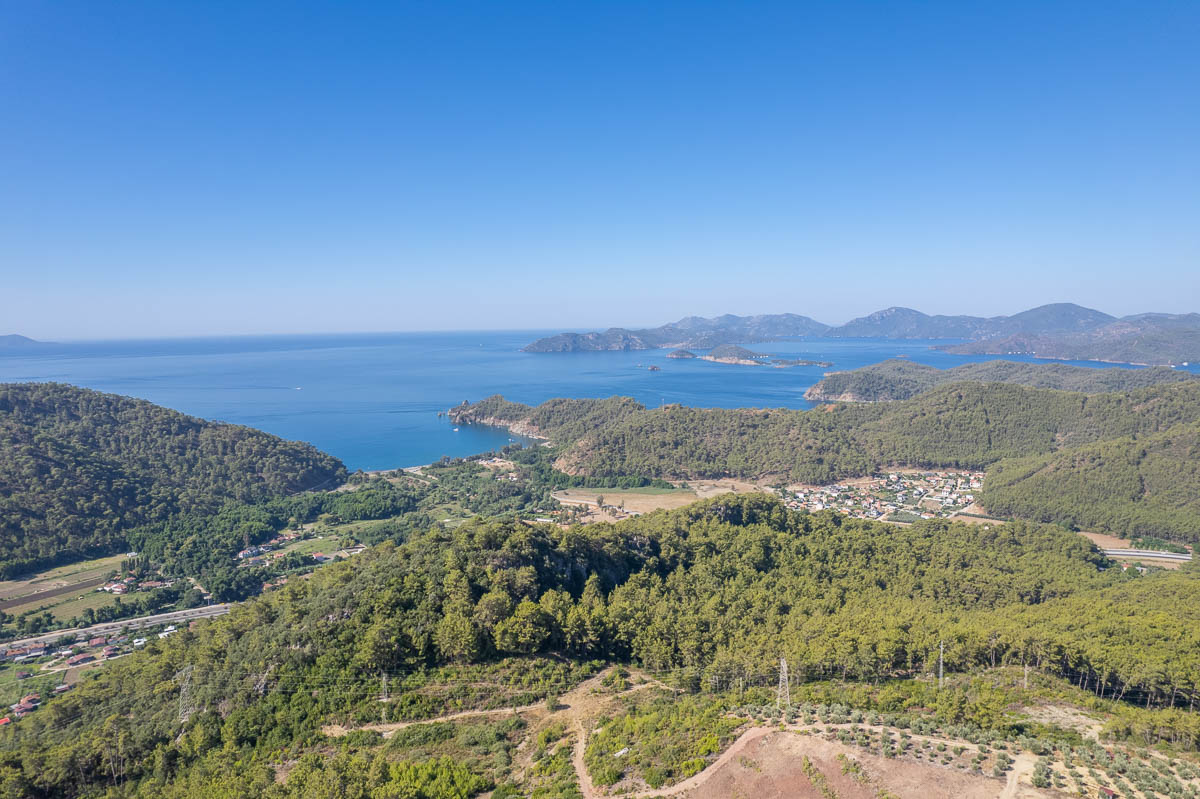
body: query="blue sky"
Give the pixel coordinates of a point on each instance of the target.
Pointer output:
(190, 168)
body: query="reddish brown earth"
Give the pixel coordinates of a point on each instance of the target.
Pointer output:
(771, 767)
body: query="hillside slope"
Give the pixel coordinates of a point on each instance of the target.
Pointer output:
(501, 612)
(1129, 486)
(960, 425)
(79, 468)
(897, 379)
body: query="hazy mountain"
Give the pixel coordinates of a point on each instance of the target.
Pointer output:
(1058, 330)
(1150, 338)
(691, 331)
(15, 342)
(906, 323)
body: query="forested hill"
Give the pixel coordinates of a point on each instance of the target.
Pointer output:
(704, 595)
(898, 379)
(1132, 486)
(961, 425)
(964, 425)
(79, 468)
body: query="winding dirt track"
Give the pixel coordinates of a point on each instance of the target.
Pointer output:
(581, 704)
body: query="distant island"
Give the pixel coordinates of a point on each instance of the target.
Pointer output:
(733, 354)
(681, 354)
(16, 342)
(1056, 331)
(690, 332)
(895, 380)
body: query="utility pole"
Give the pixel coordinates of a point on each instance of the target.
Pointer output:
(941, 658)
(184, 676)
(783, 696)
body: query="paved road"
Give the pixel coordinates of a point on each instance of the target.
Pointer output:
(124, 624)
(1148, 554)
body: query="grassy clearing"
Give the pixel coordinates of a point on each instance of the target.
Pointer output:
(12, 689)
(511, 682)
(66, 606)
(72, 607)
(81, 572)
(308, 546)
(660, 739)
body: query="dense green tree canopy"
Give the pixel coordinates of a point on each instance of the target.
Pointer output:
(79, 469)
(717, 589)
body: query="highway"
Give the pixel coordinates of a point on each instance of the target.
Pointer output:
(1145, 554)
(123, 624)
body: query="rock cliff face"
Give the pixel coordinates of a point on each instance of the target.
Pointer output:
(469, 414)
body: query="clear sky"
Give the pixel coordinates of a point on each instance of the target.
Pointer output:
(181, 168)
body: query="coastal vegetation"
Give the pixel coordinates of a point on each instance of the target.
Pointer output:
(81, 471)
(707, 597)
(899, 379)
(959, 426)
(967, 425)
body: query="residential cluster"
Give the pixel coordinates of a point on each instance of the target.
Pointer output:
(130, 584)
(251, 555)
(897, 496)
(260, 554)
(58, 659)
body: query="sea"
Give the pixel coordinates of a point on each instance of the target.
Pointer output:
(377, 401)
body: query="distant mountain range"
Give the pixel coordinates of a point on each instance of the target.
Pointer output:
(691, 331)
(1144, 338)
(1058, 330)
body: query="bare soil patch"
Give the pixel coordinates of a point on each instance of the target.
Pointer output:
(1068, 717)
(633, 501)
(1107, 541)
(771, 767)
(712, 488)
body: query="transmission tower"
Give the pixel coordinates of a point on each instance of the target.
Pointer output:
(783, 697)
(184, 678)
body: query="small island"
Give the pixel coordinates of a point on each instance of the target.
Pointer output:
(681, 354)
(731, 353)
(740, 355)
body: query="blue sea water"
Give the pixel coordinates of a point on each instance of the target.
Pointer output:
(372, 399)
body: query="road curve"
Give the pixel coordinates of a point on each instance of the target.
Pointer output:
(1146, 554)
(124, 624)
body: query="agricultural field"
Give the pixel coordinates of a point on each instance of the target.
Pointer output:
(619, 503)
(64, 591)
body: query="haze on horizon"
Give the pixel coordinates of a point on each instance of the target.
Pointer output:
(180, 169)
